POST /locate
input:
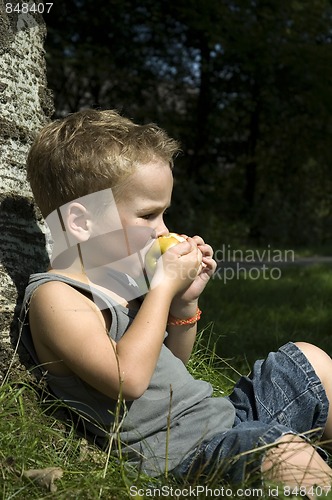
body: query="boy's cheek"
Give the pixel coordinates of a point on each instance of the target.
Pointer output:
(117, 245)
(104, 249)
(138, 238)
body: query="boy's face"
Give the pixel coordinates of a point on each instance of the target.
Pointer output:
(140, 213)
(144, 202)
(118, 233)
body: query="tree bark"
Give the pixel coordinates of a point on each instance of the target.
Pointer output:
(25, 105)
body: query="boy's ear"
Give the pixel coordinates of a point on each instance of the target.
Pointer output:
(78, 222)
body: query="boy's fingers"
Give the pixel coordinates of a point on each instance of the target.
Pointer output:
(198, 240)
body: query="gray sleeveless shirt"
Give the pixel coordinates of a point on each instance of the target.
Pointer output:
(174, 415)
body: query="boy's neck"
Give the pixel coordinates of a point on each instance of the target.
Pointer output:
(102, 278)
(69, 263)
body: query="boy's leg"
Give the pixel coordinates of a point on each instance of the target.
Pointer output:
(322, 364)
(298, 466)
(292, 387)
(293, 461)
(283, 398)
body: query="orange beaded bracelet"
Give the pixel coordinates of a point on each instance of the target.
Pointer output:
(172, 321)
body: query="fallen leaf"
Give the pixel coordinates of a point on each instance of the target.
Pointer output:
(45, 477)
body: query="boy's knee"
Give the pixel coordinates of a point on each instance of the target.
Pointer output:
(319, 359)
(313, 351)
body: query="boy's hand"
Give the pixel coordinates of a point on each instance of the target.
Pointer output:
(178, 267)
(196, 287)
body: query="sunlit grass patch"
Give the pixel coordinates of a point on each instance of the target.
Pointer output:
(253, 317)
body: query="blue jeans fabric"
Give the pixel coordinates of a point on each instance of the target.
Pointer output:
(282, 395)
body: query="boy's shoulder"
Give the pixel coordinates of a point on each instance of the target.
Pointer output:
(60, 296)
(61, 310)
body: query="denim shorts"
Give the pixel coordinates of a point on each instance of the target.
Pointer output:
(282, 395)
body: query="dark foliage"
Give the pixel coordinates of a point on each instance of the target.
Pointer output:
(244, 85)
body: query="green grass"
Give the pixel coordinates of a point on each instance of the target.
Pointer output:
(252, 317)
(32, 437)
(242, 320)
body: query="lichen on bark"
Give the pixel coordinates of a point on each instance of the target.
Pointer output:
(25, 106)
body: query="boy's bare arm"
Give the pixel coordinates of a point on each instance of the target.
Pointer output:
(67, 327)
(181, 339)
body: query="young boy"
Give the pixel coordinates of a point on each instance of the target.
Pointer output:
(96, 326)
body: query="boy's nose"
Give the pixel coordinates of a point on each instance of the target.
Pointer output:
(162, 230)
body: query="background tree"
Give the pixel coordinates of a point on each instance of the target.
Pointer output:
(245, 85)
(26, 105)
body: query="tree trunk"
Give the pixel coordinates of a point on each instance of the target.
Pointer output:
(25, 105)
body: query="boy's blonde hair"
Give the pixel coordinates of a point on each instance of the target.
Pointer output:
(90, 151)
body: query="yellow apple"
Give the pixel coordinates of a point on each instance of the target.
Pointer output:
(159, 247)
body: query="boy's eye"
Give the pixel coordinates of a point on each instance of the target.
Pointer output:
(152, 215)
